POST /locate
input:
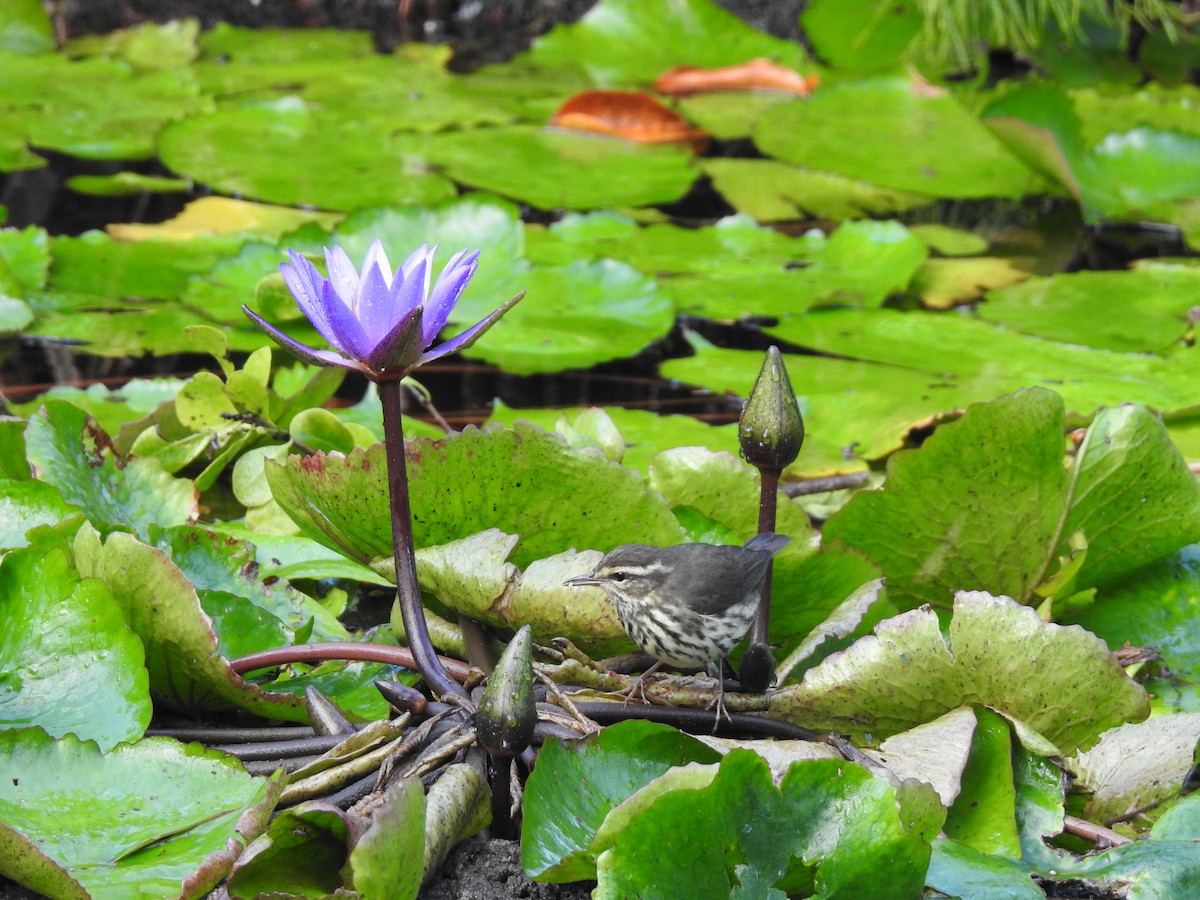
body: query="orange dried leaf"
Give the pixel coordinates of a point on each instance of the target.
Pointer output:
(756, 75)
(630, 115)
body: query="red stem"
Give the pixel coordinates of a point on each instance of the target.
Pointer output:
(393, 656)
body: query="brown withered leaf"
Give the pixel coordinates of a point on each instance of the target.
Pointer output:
(630, 115)
(755, 75)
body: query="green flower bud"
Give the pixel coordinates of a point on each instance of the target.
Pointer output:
(771, 429)
(507, 711)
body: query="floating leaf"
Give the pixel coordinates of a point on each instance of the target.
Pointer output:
(156, 817)
(518, 479)
(588, 778)
(163, 608)
(1001, 529)
(885, 132)
(70, 665)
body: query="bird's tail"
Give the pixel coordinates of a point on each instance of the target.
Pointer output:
(768, 541)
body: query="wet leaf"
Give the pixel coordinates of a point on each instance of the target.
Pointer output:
(156, 817)
(588, 778)
(163, 609)
(70, 665)
(137, 493)
(828, 825)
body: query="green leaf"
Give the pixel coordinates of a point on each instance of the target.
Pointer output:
(1156, 606)
(772, 191)
(248, 149)
(1070, 687)
(576, 784)
(25, 27)
(137, 494)
(386, 860)
(959, 870)
(1093, 308)
(887, 132)
(563, 170)
(518, 479)
(584, 314)
(983, 814)
(829, 824)
(862, 35)
(28, 504)
(1002, 508)
(301, 852)
(631, 42)
(162, 608)
(153, 818)
(70, 665)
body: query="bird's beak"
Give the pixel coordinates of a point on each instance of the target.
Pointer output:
(580, 580)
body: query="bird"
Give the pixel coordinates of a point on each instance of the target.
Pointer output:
(687, 605)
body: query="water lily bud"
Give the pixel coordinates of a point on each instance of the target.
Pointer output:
(771, 429)
(507, 710)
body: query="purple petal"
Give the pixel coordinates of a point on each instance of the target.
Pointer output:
(449, 287)
(401, 347)
(423, 254)
(351, 339)
(304, 281)
(409, 294)
(376, 310)
(303, 352)
(343, 276)
(468, 337)
(376, 256)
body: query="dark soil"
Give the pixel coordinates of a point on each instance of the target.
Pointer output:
(482, 869)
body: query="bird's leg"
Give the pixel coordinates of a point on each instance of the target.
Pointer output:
(718, 702)
(639, 685)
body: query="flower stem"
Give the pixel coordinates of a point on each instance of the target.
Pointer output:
(407, 591)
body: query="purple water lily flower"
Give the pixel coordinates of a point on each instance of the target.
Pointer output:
(380, 322)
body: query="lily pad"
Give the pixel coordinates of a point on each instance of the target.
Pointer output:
(884, 131)
(155, 817)
(1144, 310)
(250, 150)
(70, 664)
(631, 42)
(162, 608)
(1069, 687)
(137, 493)
(577, 316)
(517, 477)
(558, 170)
(774, 191)
(1139, 766)
(1128, 493)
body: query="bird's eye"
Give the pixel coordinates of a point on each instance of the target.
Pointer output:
(619, 576)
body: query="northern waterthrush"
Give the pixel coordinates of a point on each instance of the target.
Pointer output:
(687, 605)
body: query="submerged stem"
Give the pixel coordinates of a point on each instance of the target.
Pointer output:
(407, 591)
